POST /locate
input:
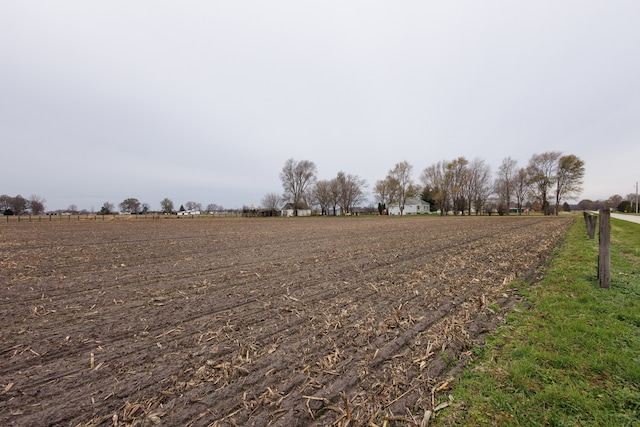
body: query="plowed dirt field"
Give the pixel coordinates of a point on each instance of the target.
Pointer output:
(301, 321)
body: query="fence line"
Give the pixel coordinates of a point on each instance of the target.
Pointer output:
(109, 217)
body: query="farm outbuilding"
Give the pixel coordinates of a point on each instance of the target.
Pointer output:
(189, 212)
(290, 209)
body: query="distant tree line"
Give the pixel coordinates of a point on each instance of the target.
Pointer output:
(457, 186)
(133, 206)
(18, 205)
(628, 203)
(35, 205)
(460, 186)
(302, 190)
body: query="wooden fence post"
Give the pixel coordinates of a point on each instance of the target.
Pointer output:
(604, 252)
(590, 220)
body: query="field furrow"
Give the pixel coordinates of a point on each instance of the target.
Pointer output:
(308, 321)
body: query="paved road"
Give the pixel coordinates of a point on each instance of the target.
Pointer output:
(632, 218)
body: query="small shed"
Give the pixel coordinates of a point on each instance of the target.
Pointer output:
(290, 209)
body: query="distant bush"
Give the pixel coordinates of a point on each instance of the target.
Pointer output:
(624, 206)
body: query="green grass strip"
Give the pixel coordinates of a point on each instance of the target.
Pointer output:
(569, 355)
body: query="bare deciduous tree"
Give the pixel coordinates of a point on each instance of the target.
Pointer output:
(569, 178)
(542, 171)
(193, 206)
(615, 200)
(479, 185)
(505, 182)
(36, 204)
(334, 189)
(19, 204)
(166, 205)
(457, 178)
(5, 203)
(297, 177)
(130, 205)
(521, 188)
(212, 207)
(435, 177)
(351, 190)
(401, 183)
(383, 193)
(322, 195)
(107, 208)
(271, 201)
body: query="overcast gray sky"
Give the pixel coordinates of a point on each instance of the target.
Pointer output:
(206, 100)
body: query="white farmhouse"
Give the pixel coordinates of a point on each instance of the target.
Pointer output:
(414, 206)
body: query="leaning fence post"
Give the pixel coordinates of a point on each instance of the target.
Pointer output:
(604, 251)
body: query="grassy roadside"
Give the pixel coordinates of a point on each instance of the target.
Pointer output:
(570, 353)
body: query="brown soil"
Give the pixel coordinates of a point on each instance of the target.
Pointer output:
(215, 322)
